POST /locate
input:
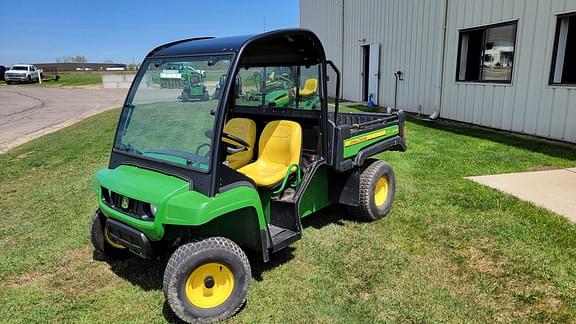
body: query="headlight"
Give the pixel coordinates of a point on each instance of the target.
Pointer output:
(153, 209)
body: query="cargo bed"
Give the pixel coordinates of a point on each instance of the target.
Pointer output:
(357, 136)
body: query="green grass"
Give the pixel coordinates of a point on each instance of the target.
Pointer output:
(450, 250)
(75, 79)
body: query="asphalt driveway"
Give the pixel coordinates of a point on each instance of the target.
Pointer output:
(27, 112)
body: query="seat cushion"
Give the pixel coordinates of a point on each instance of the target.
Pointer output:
(279, 147)
(264, 174)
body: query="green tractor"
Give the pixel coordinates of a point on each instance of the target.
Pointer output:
(206, 181)
(194, 87)
(274, 89)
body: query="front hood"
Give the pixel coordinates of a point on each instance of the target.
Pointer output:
(141, 184)
(16, 72)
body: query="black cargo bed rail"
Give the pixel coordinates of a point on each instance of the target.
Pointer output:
(357, 124)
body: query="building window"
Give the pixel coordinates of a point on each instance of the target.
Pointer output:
(486, 54)
(564, 56)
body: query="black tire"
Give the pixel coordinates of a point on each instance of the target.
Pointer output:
(8, 82)
(185, 96)
(204, 253)
(368, 208)
(29, 79)
(100, 243)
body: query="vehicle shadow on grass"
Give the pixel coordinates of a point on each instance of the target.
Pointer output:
(145, 273)
(148, 273)
(331, 215)
(526, 142)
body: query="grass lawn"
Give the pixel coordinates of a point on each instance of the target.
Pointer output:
(450, 250)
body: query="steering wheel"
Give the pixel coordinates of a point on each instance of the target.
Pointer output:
(240, 144)
(201, 147)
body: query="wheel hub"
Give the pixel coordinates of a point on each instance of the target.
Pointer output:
(209, 282)
(209, 285)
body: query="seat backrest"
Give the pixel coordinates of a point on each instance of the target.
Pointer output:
(243, 128)
(281, 142)
(311, 85)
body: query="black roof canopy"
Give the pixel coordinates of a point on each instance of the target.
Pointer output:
(280, 47)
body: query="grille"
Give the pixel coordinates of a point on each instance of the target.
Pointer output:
(126, 205)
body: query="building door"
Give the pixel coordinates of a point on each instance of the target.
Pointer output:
(370, 72)
(365, 71)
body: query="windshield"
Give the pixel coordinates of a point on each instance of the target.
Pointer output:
(279, 86)
(24, 68)
(171, 114)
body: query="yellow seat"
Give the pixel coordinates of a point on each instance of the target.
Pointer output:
(245, 129)
(310, 87)
(280, 146)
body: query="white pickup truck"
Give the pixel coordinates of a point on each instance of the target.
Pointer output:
(22, 73)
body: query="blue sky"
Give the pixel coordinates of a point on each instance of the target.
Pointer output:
(124, 31)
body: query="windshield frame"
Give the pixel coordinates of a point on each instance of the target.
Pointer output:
(162, 165)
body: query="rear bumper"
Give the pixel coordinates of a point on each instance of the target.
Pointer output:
(136, 241)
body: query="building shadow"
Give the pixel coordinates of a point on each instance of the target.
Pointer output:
(552, 148)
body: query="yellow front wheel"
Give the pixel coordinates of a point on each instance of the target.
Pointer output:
(101, 240)
(209, 285)
(110, 241)
(207, 280)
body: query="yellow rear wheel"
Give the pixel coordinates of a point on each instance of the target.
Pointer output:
(377, 186)
(209, 285)
(381, 191)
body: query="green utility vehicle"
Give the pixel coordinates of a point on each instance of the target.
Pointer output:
(208, 180)
(194, 87)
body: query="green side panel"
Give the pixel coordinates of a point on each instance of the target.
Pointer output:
(196, 90)
(316, 195)
(177, 205)
(355, 144)
(265, 196)
(241, 226)
(279, 97)
(191, 208)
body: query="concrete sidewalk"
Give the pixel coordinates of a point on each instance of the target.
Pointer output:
(552, 189)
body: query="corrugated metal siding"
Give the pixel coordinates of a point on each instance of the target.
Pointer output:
(529, 105)
(407, 44)
(324, 17)
(410, 34)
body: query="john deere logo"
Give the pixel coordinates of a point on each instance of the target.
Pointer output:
(125, 202)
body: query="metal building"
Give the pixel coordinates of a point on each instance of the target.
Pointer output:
(506, 64)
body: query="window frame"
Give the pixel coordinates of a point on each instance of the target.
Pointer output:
(555, 51)
(485, 27)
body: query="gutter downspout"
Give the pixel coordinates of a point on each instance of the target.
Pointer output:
(342, 53)
(436, 113)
